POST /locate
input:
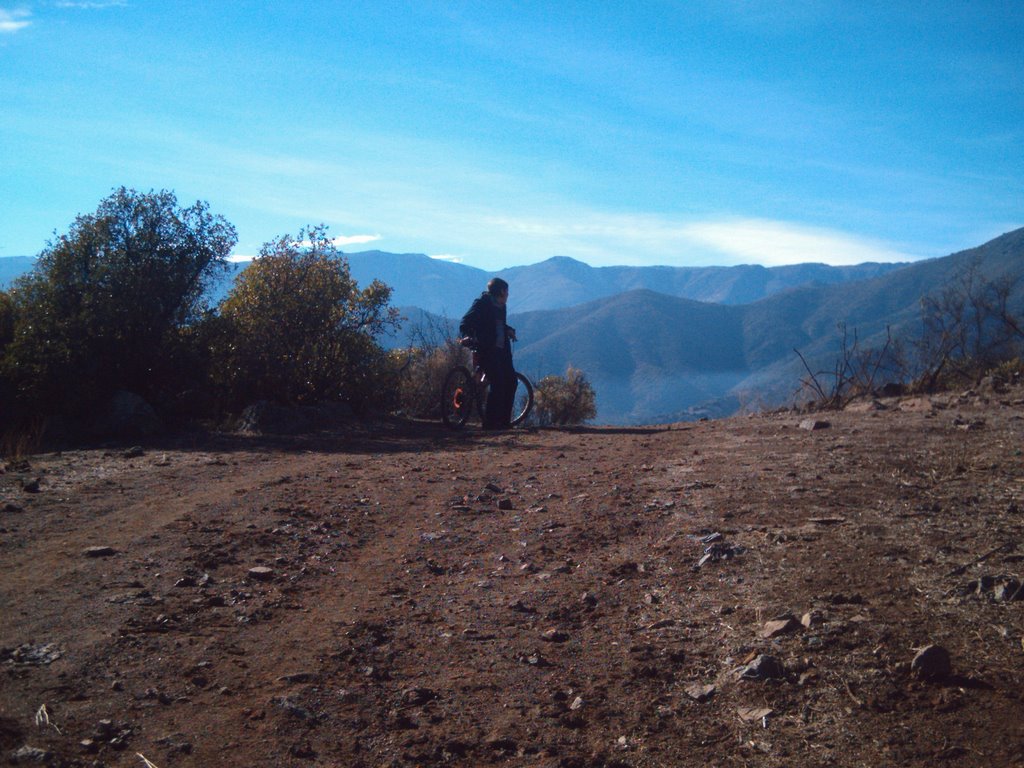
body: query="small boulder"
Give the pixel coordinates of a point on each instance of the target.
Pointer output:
(932, 663)
(128, 416)
(699, 692)
(27, 755)
(555, 636)
(1008, 590)
(763, 667)
(99, 552)
(814, 425)
(261, 573)
(781, 626)
(811, 619)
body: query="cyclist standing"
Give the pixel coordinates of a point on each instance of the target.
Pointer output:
(485, 322)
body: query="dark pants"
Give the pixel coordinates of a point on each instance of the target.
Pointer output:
(497, 364)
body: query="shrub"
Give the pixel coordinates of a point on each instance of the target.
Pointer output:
(422, 371)
(296, 328)
(565, 400)
(968, 327)
(103, 301)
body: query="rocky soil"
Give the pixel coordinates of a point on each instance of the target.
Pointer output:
(834, 590)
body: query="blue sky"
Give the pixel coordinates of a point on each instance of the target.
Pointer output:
(499, 133)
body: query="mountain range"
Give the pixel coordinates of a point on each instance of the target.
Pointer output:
(671, 343)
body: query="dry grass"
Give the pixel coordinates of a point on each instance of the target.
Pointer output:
(18, 442)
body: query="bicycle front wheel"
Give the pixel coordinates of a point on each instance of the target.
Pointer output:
(457, 397)
(523, 403)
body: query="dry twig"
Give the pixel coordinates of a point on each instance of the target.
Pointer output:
(43, 718)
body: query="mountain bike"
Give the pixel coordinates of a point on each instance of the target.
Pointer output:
(464, 392)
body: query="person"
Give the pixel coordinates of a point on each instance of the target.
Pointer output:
(485, 323)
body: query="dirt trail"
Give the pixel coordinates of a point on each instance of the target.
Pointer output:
(587, 597)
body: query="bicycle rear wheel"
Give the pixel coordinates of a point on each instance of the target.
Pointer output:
(457, 397)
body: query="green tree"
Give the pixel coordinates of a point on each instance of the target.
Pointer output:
(6, 320)
(104, 300)
(297, 328)
(565, 400)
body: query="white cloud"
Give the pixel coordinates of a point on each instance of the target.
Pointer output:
(354, 239)
(13, 20)
(90, 6)
(448, 257)
(602, 239)
(774, 243)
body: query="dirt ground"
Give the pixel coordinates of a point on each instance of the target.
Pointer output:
(742, 592)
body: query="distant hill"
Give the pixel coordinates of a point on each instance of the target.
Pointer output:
(446, 288)
(564, 282)
(654, 357)
(12, 267)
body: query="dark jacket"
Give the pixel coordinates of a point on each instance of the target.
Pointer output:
(484, 321)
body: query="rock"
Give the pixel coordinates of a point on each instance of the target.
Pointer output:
(99, 552)
(27, 755)
(505, 504)
(719, 551)
(261, 573)
(176, 744)
(577, 703)
(31, 655)
(298, 677)
(128, 416)
(494, 488)
(932, 663)
(780, 626)
(813, 425)
(416, 697)
(753, 714)
(588, 599)
(808, 677)
(555, 636)
(892, 389)
(699, 692)
(763, 667)
(134, 452)
(266, 417)
(31, 486)
(1008, 590)
(534, 659)
(840, 598)
(811, 619)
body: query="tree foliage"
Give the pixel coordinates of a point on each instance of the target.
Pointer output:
(565, 400)
(6, 320)
(104, 300)
(297, 328)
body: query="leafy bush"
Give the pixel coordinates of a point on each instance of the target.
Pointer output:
(98, 310)
(297, 329)
(565, 400)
